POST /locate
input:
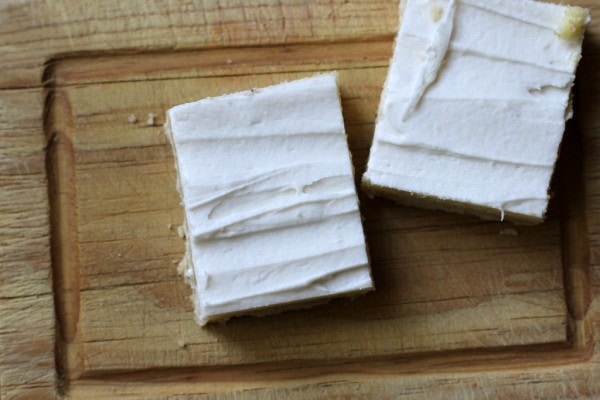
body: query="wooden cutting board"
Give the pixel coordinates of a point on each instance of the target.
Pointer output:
(92, 307)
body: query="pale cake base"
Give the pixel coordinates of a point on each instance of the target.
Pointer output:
(436, 203)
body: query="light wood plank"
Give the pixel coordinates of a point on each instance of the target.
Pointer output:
(33, 32)
(27, 320)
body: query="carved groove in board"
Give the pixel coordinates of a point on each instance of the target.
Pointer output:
(94, 67)
(60, 161)
(578, 344)
(575, 243)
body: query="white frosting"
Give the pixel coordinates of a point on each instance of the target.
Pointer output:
(433, 56)
(475, 103)
(267, 186)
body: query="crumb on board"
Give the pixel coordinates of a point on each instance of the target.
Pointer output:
(509, 232)
(151, 119)
(181, 231)
(181, 343)
(132, 119)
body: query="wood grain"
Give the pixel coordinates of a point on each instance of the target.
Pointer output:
(26, 311)
(88, 216)
(38, 30)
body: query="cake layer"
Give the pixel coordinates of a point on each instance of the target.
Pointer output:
(475, 103)
(271, 208)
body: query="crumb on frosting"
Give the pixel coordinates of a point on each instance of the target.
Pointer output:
(436, 12)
